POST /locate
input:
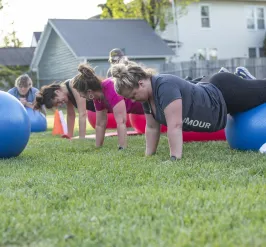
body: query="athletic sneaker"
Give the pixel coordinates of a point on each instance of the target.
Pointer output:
(244, 73)
(188, 78)
(223, 69)
(198, 79)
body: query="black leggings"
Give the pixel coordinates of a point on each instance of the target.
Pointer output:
(239, 94)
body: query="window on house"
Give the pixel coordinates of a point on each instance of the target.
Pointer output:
(205, 16)
(213, 54)
(252, 52)
(255, 18)
(250, 18)
(202, 54)
(261, 52)
(260, 18)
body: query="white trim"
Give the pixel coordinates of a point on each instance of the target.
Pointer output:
(38, 78)
(40, 48)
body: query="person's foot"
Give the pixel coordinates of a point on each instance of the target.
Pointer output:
(198, 79)
(244, 73)
(223, 69)
(188, 78)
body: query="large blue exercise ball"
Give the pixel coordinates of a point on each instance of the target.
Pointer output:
(37, 119)
(14, 126)
(247, 130)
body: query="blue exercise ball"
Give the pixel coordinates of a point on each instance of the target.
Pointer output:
(37, 119)
(14, 126)
(247, 130)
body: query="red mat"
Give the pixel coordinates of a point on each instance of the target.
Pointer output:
(187, 136)
(109, 134)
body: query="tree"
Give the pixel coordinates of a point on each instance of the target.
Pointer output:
(1, 7)
(156, 12)
(115, 9)
(8, 75)
(11, 40)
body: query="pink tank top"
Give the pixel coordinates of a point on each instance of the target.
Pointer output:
(112, 98)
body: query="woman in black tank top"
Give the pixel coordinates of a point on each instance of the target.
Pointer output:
(71, 97)
(56, 95)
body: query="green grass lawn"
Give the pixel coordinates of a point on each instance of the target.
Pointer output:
(68, 193)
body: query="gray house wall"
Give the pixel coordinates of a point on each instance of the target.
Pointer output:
(101, 66)
(58, 62)
(154, 63)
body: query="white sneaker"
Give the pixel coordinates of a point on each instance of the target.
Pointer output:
(244, 73)
(223, 69)
(263, 149)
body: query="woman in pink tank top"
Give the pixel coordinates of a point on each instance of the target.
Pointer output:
(106, 100)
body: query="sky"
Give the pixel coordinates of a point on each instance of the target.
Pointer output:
(32, 15)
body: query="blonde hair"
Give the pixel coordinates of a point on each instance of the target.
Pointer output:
(23, 81)
(127, 75)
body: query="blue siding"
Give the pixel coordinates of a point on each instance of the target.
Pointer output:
(58, 62)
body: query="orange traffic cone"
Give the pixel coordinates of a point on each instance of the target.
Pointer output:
(58, 127)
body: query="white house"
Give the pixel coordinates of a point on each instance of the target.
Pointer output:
(220, 29)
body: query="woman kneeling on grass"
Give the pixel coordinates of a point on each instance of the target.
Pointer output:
(181, 105)
(106, 100)
(55, 95)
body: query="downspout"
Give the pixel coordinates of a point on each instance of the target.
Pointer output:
(38, 78)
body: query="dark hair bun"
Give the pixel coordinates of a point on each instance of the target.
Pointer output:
(38, 101)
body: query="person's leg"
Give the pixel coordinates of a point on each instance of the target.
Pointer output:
(240, 94)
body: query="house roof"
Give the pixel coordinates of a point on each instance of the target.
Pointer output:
(94, 38)
(14, 56)
(95, 17)
(37, 36)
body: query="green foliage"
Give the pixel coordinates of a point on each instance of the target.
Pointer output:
(113, 9)
(156, 12)
(68, 193)
(11, 40)
(8, 75)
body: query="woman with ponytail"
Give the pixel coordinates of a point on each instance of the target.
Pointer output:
(55, 95)
(106, 100)
(184, 106)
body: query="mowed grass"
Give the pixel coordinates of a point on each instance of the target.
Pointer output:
(68, 193)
